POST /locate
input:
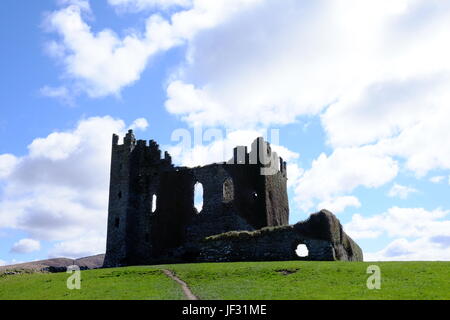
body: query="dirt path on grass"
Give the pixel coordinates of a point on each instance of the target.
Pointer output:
(187, 292)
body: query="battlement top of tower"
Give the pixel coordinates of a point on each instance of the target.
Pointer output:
(260, 154)
(152, 150)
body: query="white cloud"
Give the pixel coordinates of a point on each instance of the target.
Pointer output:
(244, 80)
(138, 5)
(319, 53)
(401, 222)
(59, 191)
(102, 63)
(423, 249)
(56, 146)
(61, 92)
(437, 179)
(79, 248)
(379, 91)
(380, 66)
(295, 172)
(418, 234)
(385, 109)
(2, 263)
(339, 204)
(403, 118)
(186, 99)
(82, 4)
(7, 164)
(26, 246)
(400, 191)
(421, 145)
(139, 124)
(376, 71)
(342, 172)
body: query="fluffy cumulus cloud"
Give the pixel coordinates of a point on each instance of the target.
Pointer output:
(78, 247)
(378, 65)
(103, 63)
(413, 130)
(339, 204)
(375, 72)
(341, 173)
(7, 164)
(139, 124)
(320, 53)
(59, 190)
(400, 191)
(418, 234)
(26, 246)
(422, 249)
(401, 222)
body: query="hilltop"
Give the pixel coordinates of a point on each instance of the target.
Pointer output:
(55, 265)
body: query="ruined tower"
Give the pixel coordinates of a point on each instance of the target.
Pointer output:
(152, 218)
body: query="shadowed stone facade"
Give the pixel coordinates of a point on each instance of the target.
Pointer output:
(152, 218)
(321, 233)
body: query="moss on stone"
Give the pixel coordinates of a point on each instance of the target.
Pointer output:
(241, 235)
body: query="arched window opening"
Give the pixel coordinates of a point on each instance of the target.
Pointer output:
(119, 195)
(198, 197)
(228, 190)
(154, 201)
(302, 251)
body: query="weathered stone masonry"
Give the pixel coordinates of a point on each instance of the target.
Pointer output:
(237, 197)
(321, 233)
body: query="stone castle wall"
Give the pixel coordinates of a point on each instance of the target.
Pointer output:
(236, 197)
(322, 235)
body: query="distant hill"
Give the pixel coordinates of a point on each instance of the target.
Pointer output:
(56, 265)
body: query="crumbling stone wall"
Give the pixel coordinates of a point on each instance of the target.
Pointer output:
(236, 197)
(322, 234)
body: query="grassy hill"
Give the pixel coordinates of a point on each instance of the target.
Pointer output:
(56, 265)
(252, 280)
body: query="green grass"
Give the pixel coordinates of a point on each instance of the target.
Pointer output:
(316, 280)
(254, 280)
(135, 283)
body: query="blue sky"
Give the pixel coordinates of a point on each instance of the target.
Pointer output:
(357, 89)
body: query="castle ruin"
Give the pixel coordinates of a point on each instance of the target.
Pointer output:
(152, 218)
